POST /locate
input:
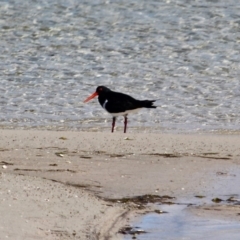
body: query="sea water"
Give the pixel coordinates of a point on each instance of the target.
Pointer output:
(184, 53)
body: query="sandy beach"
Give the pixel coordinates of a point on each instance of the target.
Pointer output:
(58, 185)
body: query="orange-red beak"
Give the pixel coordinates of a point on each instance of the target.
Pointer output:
(91, 97)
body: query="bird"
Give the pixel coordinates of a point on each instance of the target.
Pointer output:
(119, 104)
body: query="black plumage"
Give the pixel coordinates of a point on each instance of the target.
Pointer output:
(119, 104)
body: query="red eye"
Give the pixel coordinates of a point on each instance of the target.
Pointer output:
(100, 89)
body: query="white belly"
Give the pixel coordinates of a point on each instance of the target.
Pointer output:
(124, 113)
(121, 113)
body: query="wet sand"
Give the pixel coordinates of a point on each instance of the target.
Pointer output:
(58, 185)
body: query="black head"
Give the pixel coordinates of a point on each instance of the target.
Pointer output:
(102, 89)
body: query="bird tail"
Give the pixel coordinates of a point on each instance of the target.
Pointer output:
(148, 103)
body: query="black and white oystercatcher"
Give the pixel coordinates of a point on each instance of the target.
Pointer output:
(119, 104)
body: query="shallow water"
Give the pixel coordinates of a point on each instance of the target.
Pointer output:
(184, 53)
(179, 224)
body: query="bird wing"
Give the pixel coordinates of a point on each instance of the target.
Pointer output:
(120, 102)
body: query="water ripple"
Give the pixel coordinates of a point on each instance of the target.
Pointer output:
(54, 54)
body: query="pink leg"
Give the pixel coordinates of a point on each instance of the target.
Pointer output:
(113, 123)
(125, 124)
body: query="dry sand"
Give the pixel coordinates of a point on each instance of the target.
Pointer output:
(53, 184)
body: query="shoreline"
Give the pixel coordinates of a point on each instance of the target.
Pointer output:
(110, 166)
(131, 130)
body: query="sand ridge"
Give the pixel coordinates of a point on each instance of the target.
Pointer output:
(56, 166)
